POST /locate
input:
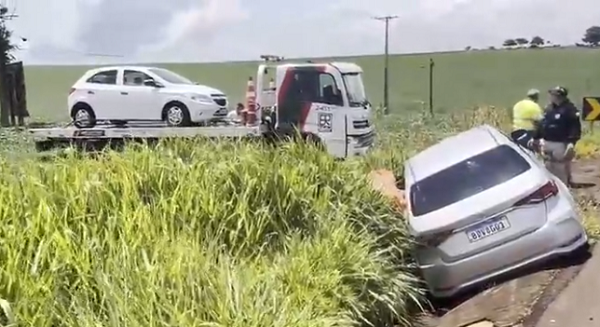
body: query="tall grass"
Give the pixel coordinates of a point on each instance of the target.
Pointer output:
(201, 234)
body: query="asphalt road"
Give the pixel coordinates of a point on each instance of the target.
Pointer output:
(579, 304)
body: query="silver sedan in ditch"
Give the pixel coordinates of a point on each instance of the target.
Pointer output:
(480, 206)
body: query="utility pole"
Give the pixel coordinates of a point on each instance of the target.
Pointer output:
(386, 91)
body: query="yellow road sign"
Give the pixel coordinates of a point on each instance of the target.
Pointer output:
(591, 109)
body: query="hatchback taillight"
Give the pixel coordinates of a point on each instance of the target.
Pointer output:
(72, 90)
(542, 194)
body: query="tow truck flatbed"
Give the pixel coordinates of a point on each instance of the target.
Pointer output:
(118, 132)
(47, 138)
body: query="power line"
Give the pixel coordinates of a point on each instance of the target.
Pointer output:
(386, 93)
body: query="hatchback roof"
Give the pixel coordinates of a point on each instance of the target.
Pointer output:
(453, 150)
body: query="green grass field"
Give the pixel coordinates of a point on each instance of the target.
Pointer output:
(461, 80)
(203, 233)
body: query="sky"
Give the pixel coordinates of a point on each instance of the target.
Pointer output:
(107, 31)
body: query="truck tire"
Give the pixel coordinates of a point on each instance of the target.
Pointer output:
(176, 114)
(313, 140)
(83, 116)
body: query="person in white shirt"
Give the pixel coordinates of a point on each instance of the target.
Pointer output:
(235, 116)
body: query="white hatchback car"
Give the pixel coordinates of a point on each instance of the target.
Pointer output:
(480, 206)
(130, 93)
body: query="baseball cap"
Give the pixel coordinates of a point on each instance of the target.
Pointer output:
(559, 90)
(533, 92)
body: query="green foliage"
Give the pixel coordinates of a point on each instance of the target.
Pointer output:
(201, 234)
(537, 40)
(6, 45)
(521, 41)
(509, 43)
(592, 36)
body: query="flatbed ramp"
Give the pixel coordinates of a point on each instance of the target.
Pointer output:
(115, 132)
(114, 136)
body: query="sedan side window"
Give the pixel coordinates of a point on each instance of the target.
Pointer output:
(106, 77)
(135, 78)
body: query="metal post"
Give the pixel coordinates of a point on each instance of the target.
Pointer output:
(431, 65)
(386, 94)
(4, 103)
(386, 76)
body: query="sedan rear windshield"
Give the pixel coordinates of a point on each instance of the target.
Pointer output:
(466, 178)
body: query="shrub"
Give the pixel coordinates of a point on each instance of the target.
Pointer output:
(201, 234)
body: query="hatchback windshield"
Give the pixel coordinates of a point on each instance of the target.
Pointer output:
(466, 179)
(356, 89)
(170, 76)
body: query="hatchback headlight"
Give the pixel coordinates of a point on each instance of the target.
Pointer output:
(200, 98)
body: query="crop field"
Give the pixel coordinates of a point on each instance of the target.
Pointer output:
(206, 233)
(461, 80)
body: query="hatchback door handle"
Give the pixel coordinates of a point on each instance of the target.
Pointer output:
(124, 93)
(91, 92)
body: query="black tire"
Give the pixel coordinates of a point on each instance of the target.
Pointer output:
(313, 140)
(83, 107)
(169, 115)
(44, 146)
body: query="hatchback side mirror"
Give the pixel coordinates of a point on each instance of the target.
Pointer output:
(152, 83)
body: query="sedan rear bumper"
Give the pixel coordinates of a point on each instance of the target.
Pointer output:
(561, 234)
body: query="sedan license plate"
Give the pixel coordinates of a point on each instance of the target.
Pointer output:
(488, 228)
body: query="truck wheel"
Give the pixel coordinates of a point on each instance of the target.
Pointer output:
(313, 140)
(83, 116)
(176, 114)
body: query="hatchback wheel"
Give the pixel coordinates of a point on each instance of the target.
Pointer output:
(84, 117)
(177, 115)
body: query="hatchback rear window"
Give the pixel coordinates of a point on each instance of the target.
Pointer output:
(466, 178)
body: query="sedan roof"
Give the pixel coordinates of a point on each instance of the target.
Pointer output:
(453, 150)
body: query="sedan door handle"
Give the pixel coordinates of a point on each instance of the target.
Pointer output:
(124, 93)
(90, 92)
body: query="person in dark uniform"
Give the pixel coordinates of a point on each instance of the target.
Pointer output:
(560, 130)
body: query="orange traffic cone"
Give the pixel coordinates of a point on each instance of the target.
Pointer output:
(250, 119)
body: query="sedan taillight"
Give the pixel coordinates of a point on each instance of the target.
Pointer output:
(542, 194)
(435, 239)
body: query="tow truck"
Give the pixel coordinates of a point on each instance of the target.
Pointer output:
(322, 102)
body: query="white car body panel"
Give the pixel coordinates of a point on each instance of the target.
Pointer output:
(139, 102)
(494, 231)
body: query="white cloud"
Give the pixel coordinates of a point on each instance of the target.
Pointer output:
(213, 30)
(190, 31)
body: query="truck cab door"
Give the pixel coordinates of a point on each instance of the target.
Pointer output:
(310, 100)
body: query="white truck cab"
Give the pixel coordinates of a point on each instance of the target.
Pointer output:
(324, 101)
(139, 93)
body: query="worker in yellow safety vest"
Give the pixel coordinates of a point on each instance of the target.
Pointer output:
(527, 116)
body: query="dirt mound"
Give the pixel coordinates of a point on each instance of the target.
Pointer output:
(385, 182)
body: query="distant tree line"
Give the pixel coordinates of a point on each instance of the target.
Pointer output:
(535, 41)
(591, 39)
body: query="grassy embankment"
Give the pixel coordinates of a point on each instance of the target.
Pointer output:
(214, 234)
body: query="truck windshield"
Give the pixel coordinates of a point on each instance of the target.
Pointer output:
(170, 76)
(355, 89)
